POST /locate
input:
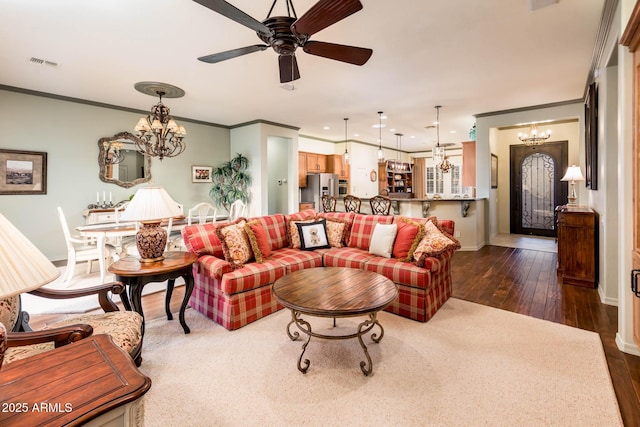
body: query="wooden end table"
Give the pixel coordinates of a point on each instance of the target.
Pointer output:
(335, 292)
(135, 275)
(89, 382)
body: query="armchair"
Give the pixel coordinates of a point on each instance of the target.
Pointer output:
(124, 327)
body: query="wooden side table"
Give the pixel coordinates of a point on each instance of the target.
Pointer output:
(90, 382)
(577, 246)
(135, 275)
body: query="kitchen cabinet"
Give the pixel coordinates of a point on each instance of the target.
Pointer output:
(337, 166)
(302, 170)
(316, 162)
(396, 178)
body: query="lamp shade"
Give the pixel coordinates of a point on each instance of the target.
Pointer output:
(573, 174)
(151, 203)
(23, 267)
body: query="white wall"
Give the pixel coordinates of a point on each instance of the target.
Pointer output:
(278, 180)
(69, 132)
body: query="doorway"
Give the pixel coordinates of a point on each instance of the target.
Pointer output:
(536, 189)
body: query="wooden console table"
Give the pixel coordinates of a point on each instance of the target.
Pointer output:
(91, 382)
(577, 246)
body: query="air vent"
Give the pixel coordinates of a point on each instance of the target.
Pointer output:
(40, 61)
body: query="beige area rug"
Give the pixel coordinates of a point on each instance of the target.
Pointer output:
(81, 279)
(470, 365)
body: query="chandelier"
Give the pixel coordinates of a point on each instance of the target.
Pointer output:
(159, 134)
(380, 152)
(345, 155)
(533, 137)
(439, 155)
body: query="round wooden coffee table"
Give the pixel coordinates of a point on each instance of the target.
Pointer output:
(335, 292)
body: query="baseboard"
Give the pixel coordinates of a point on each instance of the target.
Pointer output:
(607, 300)
(625, 347)
(473, 248)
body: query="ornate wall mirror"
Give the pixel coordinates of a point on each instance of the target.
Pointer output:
(121, 163)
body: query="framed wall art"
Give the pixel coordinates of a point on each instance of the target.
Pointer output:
(201, 174)
(23, 172)
(494, 171)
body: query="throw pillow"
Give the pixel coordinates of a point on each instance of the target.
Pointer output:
(294, 236)
(382, 239)
(258, 240)
(433, 243)
(410, 233)
(203, 240)
(313, 235)
(336, 231)
(235, 243)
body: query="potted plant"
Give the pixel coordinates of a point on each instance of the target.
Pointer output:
(230, 182)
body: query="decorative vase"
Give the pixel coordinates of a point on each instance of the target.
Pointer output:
(151, 240)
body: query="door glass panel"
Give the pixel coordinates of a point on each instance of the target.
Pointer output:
(538, 171)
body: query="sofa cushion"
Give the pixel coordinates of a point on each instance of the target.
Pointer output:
(434, 242)
(382, 239)
(295, 259)
(336, 231)
(258, 239)
(409, 235)
(252, 275)
(313, 235)
(404, 273)
(212, 266)
(346, 217)
(345, 257)
(235, 243)
(294, 233)
(203, 240)
(274, 226)
(362, 229)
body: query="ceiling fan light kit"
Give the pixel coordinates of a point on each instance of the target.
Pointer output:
(284, 34)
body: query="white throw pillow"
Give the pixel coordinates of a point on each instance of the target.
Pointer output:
(382, 239)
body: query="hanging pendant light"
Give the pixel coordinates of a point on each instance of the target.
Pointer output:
(439, 155)
(345, 155)
(380, 152)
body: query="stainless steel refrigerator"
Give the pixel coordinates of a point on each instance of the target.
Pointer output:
(319, 184)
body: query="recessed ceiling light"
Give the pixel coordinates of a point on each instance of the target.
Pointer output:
(392, 130)
(326, 128)
(452, 131)
(376, 126)
(412, 136)
(356, 134)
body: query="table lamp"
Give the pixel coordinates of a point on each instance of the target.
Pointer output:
(573, 174)
(149, 206)
(23, 268)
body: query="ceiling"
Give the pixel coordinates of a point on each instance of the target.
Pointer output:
(469, 56)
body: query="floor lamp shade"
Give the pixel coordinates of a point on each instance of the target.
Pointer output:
(23, 267)
(150, 206)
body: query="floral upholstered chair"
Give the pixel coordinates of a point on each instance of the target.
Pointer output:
(124, 327)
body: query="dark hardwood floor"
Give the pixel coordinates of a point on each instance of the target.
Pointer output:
(517, 280)
(525, 281)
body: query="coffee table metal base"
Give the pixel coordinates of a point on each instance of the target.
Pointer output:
(363, 328)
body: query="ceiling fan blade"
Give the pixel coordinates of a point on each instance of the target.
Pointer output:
(323, 14)
(351, 54)
(235, 14)
(223, 56)
(288, 68)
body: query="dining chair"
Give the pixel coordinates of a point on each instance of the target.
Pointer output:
(201, 211)
(237, 210)
(124, 327)
(380, 205)
(79, 250)
(352, 203)
(328, 203)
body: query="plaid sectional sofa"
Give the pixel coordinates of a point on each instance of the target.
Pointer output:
(236, 297)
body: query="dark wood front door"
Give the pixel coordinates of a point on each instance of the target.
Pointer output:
(536, 188)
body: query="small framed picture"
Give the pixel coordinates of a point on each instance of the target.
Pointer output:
(201, 174)
(494, 171)
(23, 172)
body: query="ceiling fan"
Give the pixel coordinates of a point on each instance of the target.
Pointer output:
(284, 34)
